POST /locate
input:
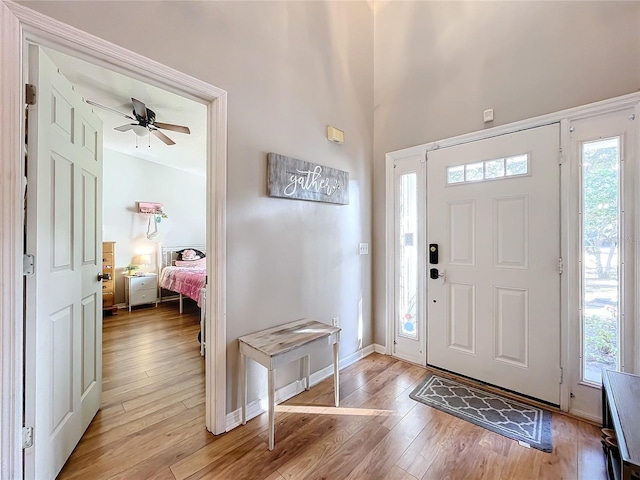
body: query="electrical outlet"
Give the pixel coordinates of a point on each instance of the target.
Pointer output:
(336, 321)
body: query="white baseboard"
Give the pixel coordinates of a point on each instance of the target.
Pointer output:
(379, 349)
(592, 418)
(284, 393)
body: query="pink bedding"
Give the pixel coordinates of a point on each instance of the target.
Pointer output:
(185, 280)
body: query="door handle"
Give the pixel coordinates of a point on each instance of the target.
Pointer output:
(435, 275)
(104, 276)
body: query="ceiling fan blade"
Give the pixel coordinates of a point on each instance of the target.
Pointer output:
(125, 128)
(169, 126)
(139, 108)
(109, 109)
(162, 137)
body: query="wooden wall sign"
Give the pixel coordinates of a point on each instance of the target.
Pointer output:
(291, 178)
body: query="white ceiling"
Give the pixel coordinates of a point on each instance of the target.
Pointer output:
(114, 90)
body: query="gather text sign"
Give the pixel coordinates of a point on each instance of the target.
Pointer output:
(291, 178)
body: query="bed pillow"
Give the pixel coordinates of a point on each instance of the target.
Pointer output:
(199, 263)
(189, 254)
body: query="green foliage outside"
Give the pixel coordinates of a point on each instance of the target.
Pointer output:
(601, 348)
(601, 186)
(600, 209)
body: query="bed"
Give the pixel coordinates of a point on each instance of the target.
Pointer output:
(183, 270)
(186, 276)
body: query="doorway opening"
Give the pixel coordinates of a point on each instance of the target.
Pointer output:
(22, 27)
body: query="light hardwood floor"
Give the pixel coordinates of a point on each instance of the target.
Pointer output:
(151, 425)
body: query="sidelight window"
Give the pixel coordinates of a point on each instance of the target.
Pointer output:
(600, 216)
(408, 243)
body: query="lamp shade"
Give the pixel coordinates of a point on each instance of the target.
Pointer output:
(143, 260)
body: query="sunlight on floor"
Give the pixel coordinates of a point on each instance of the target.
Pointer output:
(332, 410)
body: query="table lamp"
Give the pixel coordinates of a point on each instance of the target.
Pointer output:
(143, 261)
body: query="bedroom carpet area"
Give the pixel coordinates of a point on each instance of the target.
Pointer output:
(151, 424)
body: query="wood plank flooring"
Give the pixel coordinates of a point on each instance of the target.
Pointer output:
(151, 425)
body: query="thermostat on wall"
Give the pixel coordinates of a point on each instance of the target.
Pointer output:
(335, 135)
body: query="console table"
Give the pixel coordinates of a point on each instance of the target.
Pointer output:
(620, 396)
(284, 344)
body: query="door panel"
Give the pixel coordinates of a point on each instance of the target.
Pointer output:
(462, 326)
(494, 311)
(512, 325)
(461, 239)
(511, 232)
(63, 344)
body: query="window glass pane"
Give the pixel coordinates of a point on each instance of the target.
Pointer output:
(494, 168)
(600, 258)
(474, 171)
(455, 174)
(517, 165)
(408, 281)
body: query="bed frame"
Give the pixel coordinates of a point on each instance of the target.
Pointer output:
(168, 255)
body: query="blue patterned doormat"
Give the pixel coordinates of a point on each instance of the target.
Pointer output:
(515, 420)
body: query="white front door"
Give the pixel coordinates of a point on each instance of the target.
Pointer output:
(63, 367)
(494, 310)
(409, 341)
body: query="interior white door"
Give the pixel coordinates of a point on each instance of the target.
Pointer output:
(494, 311)
(64, 307)
(409, 341)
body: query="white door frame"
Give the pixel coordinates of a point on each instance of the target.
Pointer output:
(19, 26)
(569, 253)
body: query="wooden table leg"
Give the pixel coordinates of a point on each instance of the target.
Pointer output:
(307, 370)
(271, 409)
(336, 370)
(243, 387)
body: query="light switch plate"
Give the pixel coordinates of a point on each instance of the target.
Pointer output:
(364, 249)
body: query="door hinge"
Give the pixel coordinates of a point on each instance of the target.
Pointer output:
(30, 94)
(560, 265)
(560, 155)
(27, 437)
(28, 262)
(561, 375)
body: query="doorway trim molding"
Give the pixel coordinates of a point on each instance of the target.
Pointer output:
(562, 117)
(19, 26)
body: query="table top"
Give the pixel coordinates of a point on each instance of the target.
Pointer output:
(624, 390)
(283, 338)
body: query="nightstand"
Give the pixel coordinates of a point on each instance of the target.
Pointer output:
(141, 289)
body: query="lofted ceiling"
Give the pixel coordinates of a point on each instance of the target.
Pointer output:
(115, 90)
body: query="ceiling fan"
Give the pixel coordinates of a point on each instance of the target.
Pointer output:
(146, 122)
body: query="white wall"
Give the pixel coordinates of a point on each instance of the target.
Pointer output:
(291, 69)
(438, 65)
(128, 180)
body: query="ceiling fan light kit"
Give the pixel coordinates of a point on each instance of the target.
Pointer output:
(139, 130)
(146, 122)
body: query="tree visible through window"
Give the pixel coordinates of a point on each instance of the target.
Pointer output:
(600, 265)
